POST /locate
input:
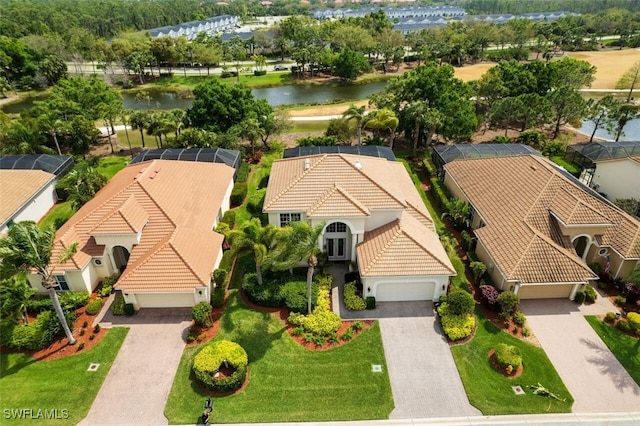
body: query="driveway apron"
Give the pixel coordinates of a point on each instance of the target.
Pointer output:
(424, 378)
(593, 375)
(137, 387)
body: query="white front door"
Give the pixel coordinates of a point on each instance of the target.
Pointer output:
(337, 248)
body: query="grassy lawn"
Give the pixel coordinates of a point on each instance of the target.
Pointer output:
(134, 137)
(625, 348)
(109, 166)
(308, 126)
(288, 383)
(62, 211)
(572, 168)
(178, 82)
(490, 391)
(59, 384)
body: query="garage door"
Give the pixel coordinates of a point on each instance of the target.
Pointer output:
(555, 291)
(401, 292)
(165, 300)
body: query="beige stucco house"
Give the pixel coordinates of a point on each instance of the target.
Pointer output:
(372, 215)
(25, 195)
(153, 223)
(618, 177)
(537, 229)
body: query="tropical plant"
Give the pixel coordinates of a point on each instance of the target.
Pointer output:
(383, 120)
(458, 211)
(253, 238)
(81, 184)
(358, 114)
(27, 248)
(296, 243)
(15, 293)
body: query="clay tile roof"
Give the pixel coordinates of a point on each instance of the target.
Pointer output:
(130, 217)
(163, 197)
(403, 247)
(337, 202)
(292, 188)
(635, 158)
(519, 198)
(17, 187)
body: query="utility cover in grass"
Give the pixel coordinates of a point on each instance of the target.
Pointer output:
(93, 367)
(376, 368)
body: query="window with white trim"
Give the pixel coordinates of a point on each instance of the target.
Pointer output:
(337, 227)
(288, 218)
(61, 282)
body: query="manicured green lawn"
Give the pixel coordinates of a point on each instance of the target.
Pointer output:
(59, 384)
(109, 166)
(491, 392)
(134, 138)
(60, 211)
(178, 81)
(288, 383)
(572, 168)
(625, 348)
(308, 126)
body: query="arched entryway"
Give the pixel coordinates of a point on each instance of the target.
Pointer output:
(337, 241)
(581, 244)
(120, 257)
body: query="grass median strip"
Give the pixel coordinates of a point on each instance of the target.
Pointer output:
(288, 383)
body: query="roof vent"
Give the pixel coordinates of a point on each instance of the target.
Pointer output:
(358, 165)
(307, 164)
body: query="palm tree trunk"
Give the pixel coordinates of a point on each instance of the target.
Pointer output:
(309, 282)
(60, 314)
(259, 273)
(359, 133)
(415, 138)
(128, 140)
(55, 139)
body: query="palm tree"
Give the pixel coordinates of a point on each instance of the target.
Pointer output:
(81, 184)
(27, 248)
(382, 120)
(14, 295)
(124, 117)
(252, 237)
(459, 213)
(296, 243)
(139, 121)
(358, 114)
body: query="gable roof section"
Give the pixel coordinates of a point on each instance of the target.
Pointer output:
(17, 188)
(402, 247)
(516, 196)
(172, 197)
(292, 188)
(337, 202)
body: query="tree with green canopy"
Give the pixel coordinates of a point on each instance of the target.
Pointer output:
(358, 114)
(15, 292)
(253, 238)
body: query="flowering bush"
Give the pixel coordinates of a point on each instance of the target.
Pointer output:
(490, 296)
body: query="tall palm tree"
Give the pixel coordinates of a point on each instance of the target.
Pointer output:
(297, 243)
(253, 238)
(138, 121)
(382, 120)
(14, 295)
(124, 117)
(28, 248)
(81, 184)
(358, 114)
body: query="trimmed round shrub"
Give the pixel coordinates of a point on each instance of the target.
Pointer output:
(634, 320)
(508, 302)
(352, 301)
(579, 299)
(201, 314)
(267, 294)
(610, 317)
(490, 297)
(590, 294)
(519, 318)
(212, 357)
(623, 325)
(456, 327)
(94, 306)
(460, 302)
(294, 294)
(507, 355)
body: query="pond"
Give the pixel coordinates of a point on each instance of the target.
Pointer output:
(282, 95)
(631, 131)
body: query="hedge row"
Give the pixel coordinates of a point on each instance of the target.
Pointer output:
(278, 290)
(352, 301)
(69, 300)
(238, 194)
(36, 335)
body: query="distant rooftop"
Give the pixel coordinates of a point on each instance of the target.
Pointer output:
(201, 155)
(58, 165)
(367, 151)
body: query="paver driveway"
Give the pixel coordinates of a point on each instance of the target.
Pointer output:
(424, 378)
(595, 378)
(136, 389)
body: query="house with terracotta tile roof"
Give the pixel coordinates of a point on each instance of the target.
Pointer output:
(153, 224)
(25, 195)
(537, 228)
(372, 214)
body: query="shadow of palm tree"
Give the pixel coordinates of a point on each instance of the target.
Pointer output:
(6, 370)
(607, 363)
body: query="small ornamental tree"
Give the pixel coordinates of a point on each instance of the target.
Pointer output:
(508, 303)
(201, 314)
(478, 269)
(460, 302)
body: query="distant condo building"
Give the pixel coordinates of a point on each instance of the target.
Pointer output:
(210, 26)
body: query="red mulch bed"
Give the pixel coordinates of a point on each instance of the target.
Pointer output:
(60, 348)
(499, 369)
(205, 334)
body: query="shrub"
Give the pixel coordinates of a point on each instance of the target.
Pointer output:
(72, 300)
(191, 337)
(370, 302)
(456, 327)
(82, 332)
(201, 314)
(105, 290)
(602, 285)
(526, 332)
(507, 355)
(322, 322)
(294, 294)
(201, 337)
(490, 296)
(610, 317)
(238, 194)
(579, 298)
(243, 172)
(229, 218)
(597, 268)
(255, 202)
(85, 324)
(209, 360)
(590, 294)
(80, 346)
(502, 139)
(460, 302)
(465, 240)
(129, 310)
(519, 318)
(298, 331)
(317, 141)
(107, 285)
(623, 325)
(228, 74)
(92, 336)
(117, 307)
(347, 335)
(333, 338)
(36, 335)
(96, 329)
(478, 269)
(531, 137)
(634, 320)
(632, 293)
(508, 302)
(357, 326)
(259, 72)
(94, 307)
(220, 277)
(352, 301)
(217, 297)
(267, 294)
(319, 340)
